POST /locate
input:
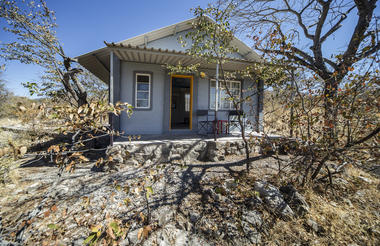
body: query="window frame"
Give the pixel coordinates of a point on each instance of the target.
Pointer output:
(231, 107)
(150, 75)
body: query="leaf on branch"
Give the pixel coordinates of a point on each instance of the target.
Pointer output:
(90, 239)
(127, 201)
(114, 229)
(83, 158)
(97, 230)
(99, 161)
(54, 148)
(139, 233)
(52, 226)
(22, 108)
(142, 216)
(149, 191)
(54, 208)
(144, 232)
(23, 150)
(46, 213)
(70, 166)
(111, 233)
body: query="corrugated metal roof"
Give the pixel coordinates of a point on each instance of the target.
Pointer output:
(134, 50)
(163, 51)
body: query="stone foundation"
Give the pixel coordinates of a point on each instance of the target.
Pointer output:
(146, 152)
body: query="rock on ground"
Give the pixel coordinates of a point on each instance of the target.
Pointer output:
(295, 200)
(273, 199)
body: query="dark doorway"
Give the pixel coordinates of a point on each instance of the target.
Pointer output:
(181, 102)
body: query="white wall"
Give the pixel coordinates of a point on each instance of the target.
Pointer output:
(171, 43)
(148, 121)
(203, 94)
(152, 121)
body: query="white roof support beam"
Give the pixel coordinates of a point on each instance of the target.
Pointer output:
(114, 88)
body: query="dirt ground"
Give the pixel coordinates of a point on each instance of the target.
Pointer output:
(36, 197)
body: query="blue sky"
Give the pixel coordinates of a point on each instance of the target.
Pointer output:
(83, 26)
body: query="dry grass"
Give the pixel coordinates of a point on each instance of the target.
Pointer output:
(10, 144)
(347, 215)
(276, 117)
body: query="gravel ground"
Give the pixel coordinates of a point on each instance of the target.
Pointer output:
(38, 197)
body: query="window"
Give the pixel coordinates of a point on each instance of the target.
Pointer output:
(224, 100)
(143, 87)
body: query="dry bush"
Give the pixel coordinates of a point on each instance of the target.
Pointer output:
(9, 107)
(346, 215)
(276, 114)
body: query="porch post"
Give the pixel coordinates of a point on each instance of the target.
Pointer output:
(260, 106)
(216, 99)
(114, 90)
(166, 101)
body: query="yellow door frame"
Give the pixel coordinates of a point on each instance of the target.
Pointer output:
(191, 77)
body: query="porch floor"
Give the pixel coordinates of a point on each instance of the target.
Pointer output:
(185, 138)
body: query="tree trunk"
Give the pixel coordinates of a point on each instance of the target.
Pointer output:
(239, 108)
(330, 93)
(291, 120)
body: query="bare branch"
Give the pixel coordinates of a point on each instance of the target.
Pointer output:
(317, 44)
(369, 52)
(365, 12)
(299, 18)
(336, 26)
(289, 55)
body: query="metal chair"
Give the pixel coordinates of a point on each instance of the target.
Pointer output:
(233, 121)
(207, 122)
